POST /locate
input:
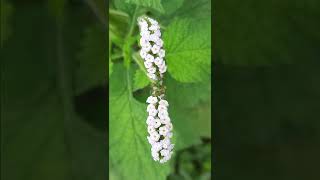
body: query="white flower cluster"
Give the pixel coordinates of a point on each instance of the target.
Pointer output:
(158, 121)
(151, 47)
(159, 128)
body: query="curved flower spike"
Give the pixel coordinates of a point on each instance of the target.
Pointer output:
(158, 121)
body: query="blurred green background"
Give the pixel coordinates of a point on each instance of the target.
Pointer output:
(266, 89)
(54, 101)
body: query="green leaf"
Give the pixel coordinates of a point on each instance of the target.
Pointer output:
(171, 6)
(129, 150)
(141, 80)
(190, 123)
(188, 49)
(124, 6)
(154, 4)
(90, 72)
(190, 94)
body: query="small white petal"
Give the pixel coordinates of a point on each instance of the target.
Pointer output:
(150, 107)
(157, 123)
(162, 53)
(154, 136)
(149, 57)
(158, 61)
(155, 49)
(163, 102)
(157, 33)
(163, 69)
(151, 129)
(143, 54)
(159, 42)
(150, 120)
(146, 47)
(148, 64)
(152, 100)
(151, 70)
(152, 76)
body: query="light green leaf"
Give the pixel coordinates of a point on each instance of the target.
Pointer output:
(154, 4)
(89, 72)
(171, 6)
(190, 123)
(129, 150)
(140, 80)
(188, 49)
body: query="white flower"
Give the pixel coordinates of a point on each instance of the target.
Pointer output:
(158, 61)
(154, 136)
(162, 108)
(157, 123)
(162, 65)
(163, 102)
(162, 69)
(169, 135)
(169, 126)
(149, 57)
(155, 49)
(162, 53)
(152, 100)
(150, 120)
(143, 41)
(163, 114)
(150, 107)
(165, 120)
(157, 33)
(151, 129)
(156, 147)
(165, 143)
(146, 47)
(153, 112)
(152, 76)
(150, 140)
(154, 27)
(153, 37)
(143, 53)
(151, 70)
(148, 64)
(152, 21)
(159, 42)
(142, 22)
(155, 155)
(164, 152)
(163, 130)
(144, 32)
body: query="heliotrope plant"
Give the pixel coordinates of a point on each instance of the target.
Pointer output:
(158, 121)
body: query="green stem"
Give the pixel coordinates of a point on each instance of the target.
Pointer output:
(133, 22)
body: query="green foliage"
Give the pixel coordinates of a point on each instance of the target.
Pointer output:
(266, 32)
(154, 4)
(187, 41)
(141, 80)
(92, 64)
(5, 16)
(42, 135)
